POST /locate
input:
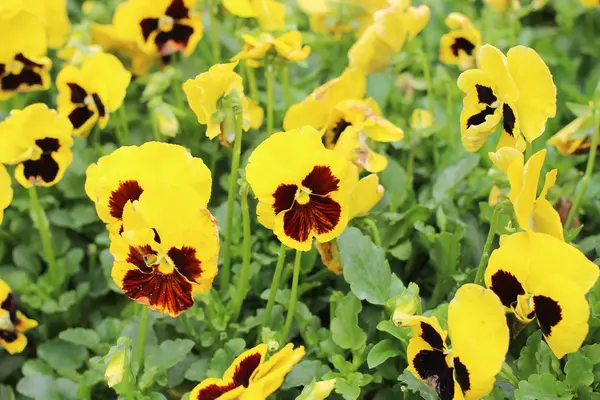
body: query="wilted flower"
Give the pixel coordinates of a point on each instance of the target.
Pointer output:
(161, 27)
(315, 109)
(287, 46)
(269, 13)
(461, 44)
(479, 335)
(250, 377)
(575, 138)
(310, 197)
(533, 213)
(516, 88)
(528, 273)
(12, 322)
(38, 141)
(6, 191)
(89, 94)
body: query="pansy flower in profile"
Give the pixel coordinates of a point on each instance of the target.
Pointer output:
(122, 176)
(538, 276)
(575, 138)
(38, 141)
(13, 323)
(461, 44)
(479, 339)
(287, 47)
(88, 95)
(351, 124)
(6, 191)
(168, 249)
(517, 89)
(270, 14)
(308, 198)
(314, 110)
(534, 213)
(251, 376)
(162, 27)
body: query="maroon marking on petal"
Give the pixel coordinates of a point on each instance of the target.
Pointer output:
(127, 191)
(137, 256)
(80, 115)
(148, 26)
(27, 62)
(45, 168)
(156, 235)
(321, 181)
(9, 305)
(78, 94)
(48, 145)
(284, 197)
(178, 10)
(186, 262)
(168, 292)
(320, 214)
(179, 35)
(212, 392)
(8, 336)
(245, 369)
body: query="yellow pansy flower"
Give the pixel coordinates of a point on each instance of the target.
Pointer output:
(269, 13)
(161, 27)
(479, 336)
(310, 197)
(568, 141)
(122, 177)
(534, 213)
(590, 3)
(168, 248)
(6, 191)
(12, 322)
(250, 377)
(516, 88)
(315, 109)
(205, 92)
(89, 94)
(461, 44)
(287, 46)
(38, 140)
(528, 273)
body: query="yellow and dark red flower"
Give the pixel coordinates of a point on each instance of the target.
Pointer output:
(250, 377)
(461, 44)
(12, 322)
(310, 197)
(6, 191)
(575, 138)
(479, 334)
(168, 248)
(288, 47)
(89, 94)
(162, 27)
(270, 14)
(516, 88)
(38, 141)
(122, 176)
(529, 276)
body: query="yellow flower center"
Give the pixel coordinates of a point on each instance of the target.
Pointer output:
(15, 67)
(165, 23)
(524, 310)
(166, 267)
(302, 196)
(89, 101)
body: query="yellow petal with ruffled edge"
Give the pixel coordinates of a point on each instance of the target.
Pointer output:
(524, 197)
(417, 19)
(270, 14)
(57, 22)
(240, 8)
(369, 53)
(390, 25)
(366, 194)
(545, 219)
(495, 65)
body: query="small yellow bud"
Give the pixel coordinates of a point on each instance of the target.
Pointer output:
(421, 119)
(115, 369)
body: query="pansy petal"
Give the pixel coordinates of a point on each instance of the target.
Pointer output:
(495, 64)
(524, 199)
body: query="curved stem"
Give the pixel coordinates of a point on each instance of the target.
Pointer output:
(187, 326)
(589, 169)
(124, 137)
(43, 227)
(252, 82)
(141, 342)
(243, 282)
(293, 299)
(488, 244)
(274, 285)
(214, 34)
(374, 231)
(285, 81)
(269, 78)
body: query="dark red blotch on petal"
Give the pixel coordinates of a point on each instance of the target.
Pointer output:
(186, 262)
(138, 255)
(129, 190)
(320, 214)
(284, 198)
(321, 181)
(214, 391)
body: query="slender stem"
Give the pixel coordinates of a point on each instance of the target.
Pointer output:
(43, 227)
(124, 124)
(411, 159)
(374, 231)
(293, 298)
(176, 91)
(142, 334)
(214, 154)
(528, 151)
(155, 129)
(214, 35)
(96, 139)
(187, 326)
(429, 82)
(588, 170)
(233, 175)
(285, 81)
(269, 77)
(128, 384)
(244, 280)
(324, 273)
(252, 82)
(274, 285)
(488, 243)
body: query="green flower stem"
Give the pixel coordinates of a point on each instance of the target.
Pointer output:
(269, 77)
(244, 280)
(187, 326)
(128, 385)
(293, 299)
(285, 81)
(507, 374)
(252, 82)
(274, 285)
(233, 117)
(374, 231)
(411, 159)
(43, 227)
(487, 248)
(528, 151)
(588, 170)
(142, 334)
(428, 81)
(124, 137)
(214, 35)
(155, 130)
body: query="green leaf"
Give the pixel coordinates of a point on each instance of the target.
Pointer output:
(6, 393)
(81, 336)
(402, 251)
(417, 386)
(349, 386)
(402, 334)
(345, 331)
(381, 352)
(197, 371)
(446, 251)
(542, 387)
(304, 373)
(224, 357)
(536, 358)
(449, 178)
(579, 370)
(580, 110)
(169, 353)
(592, 352)
(62, 355)
(365, 267)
